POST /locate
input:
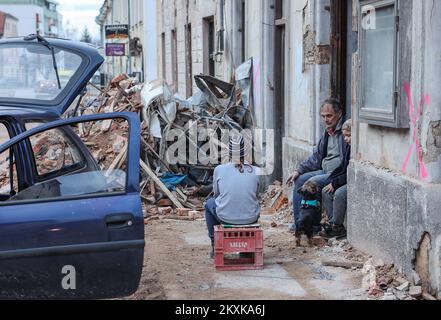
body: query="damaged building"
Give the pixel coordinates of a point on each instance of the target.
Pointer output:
(380, 58)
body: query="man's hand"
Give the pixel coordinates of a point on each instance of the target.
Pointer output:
(329, 189)
(292, 179)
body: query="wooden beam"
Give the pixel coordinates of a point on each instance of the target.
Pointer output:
(159, 183)
(342, 264)
(155, 154)
(118, 160)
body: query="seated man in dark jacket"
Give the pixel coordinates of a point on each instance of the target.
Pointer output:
(326, 158)
(335, 194)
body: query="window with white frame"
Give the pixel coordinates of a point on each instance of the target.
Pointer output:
(379, 80)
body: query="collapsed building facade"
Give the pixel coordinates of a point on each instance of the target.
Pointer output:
(380, 58)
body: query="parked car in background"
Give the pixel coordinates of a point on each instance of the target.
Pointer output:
(46, 86)
(68, 228)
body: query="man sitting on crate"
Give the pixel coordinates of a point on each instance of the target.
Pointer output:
(236, 189)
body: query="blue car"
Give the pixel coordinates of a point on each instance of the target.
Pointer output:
(67, 231)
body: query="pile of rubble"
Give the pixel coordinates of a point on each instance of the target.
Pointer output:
(178, 189)
(275, 203)
(384, 282)
(381, 281)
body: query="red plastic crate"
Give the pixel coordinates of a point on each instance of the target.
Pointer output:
(230, 242)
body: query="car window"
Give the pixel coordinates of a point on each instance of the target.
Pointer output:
(54, 152)
(4, 135)
(27, 71)
(5, 181)
(84, 160)
(6, 188)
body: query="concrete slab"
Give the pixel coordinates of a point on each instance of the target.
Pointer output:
(197, 239)
(272, 278)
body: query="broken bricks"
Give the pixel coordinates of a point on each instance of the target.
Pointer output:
(183, 212)
(415, 291)
(319, 242)
(165, 211)
(193, 214)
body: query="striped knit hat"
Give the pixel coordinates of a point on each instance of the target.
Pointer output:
(238, 146)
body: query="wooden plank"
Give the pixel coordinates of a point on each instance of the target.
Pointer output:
(117, 162)
(274, 200)
(155, 154)
(152, 188)
(342, 264)
(181, 193)
(159, 183)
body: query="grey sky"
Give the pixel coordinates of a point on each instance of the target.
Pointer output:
(81, 13)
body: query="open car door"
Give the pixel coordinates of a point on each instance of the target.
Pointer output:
(78, 230)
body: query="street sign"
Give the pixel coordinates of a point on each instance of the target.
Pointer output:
(117, 31)
(115, 49)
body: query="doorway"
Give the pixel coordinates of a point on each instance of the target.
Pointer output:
(344, 43)
(279, 87)
(209, 42)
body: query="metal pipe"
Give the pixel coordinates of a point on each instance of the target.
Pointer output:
(130, 54)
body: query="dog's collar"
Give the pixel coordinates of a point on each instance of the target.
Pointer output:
(310, 203)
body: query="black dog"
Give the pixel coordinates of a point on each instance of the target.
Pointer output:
(309, 212)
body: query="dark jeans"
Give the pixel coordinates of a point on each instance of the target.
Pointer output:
(336, 205)
(320, 178)
(212, 219)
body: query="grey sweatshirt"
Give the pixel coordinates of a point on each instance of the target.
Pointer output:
(236, 194)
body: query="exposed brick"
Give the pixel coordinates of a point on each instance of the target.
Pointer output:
(182, 212)
(165, 211)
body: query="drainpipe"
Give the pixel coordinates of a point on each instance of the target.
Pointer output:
(129, 31)
(221, 42)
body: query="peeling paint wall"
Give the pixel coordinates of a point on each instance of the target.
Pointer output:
(308, 83)
(391, 212)
(422, 266)
(389, 147)
(314, 54)
(385, 147)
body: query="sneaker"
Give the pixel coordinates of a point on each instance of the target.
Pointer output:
(327, 227)
(334, 232)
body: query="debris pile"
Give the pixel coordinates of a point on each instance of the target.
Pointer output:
(166, 184)
(380, 280)
(187, 181)
(353, 259)
(4, 174)
(274, 202)
(384, 282)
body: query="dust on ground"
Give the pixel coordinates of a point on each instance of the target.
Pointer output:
(178, 267)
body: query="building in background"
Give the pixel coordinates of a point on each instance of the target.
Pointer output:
(123, 25)
(190, 42)
(35, 16)
(8, 25)
(52, 19)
